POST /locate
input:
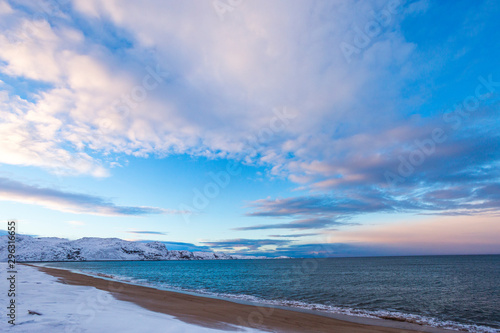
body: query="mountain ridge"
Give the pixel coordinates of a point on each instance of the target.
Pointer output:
(32, 249)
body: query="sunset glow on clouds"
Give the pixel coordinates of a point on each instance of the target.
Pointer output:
(130, 114)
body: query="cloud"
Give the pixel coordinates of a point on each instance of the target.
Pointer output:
(321, 250)
(77, 203)
(225, 81)
(243, 245)
(217, 86)
(5, 8)
(326, 211)
(315, 212)
(294, 235)
(181, 246)
(311, 223)
(319, 205)
(142, 232)
(261, 87)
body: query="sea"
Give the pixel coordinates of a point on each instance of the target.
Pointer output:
(453, 292)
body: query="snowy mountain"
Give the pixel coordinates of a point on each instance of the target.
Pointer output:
(89, 248)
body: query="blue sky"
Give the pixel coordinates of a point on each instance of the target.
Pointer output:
(286, 128)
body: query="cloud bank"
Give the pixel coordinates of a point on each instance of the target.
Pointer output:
(241, 88)
(76, 203)
(244, 245)
(146, 232)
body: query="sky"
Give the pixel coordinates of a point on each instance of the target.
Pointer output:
(298, 128)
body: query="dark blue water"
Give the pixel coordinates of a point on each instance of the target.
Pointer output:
(458, 292)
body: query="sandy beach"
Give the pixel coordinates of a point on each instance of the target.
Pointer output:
(225, 315)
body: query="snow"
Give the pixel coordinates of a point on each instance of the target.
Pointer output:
(66, 308)
(90, 248)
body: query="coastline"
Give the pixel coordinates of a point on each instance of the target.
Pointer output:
(225, 314)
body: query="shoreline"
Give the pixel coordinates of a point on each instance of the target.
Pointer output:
(211, 312)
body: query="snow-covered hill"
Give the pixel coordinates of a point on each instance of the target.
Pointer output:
(90, 248)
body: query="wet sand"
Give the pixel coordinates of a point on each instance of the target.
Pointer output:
(222, 314)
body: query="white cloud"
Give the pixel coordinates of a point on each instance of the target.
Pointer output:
(77, 203)
(33, 138)
(5, 8)
(225, 79)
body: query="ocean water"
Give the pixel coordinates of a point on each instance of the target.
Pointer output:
(455, 292)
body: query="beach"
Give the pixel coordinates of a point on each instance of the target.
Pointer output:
(58, 307)
(204, 313)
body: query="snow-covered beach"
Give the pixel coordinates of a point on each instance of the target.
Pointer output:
(69, 308)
